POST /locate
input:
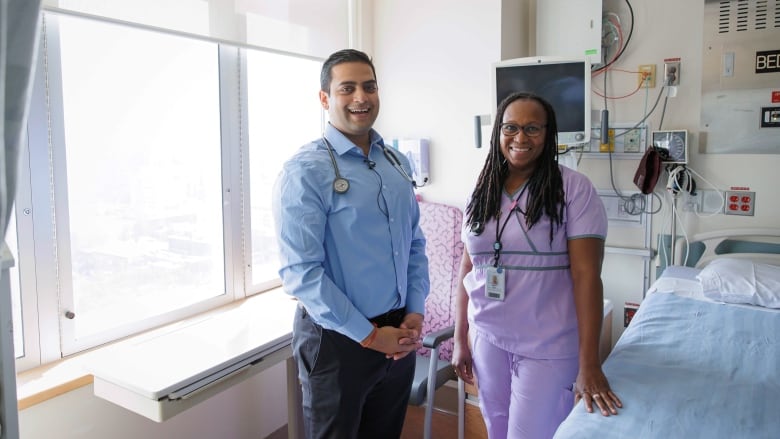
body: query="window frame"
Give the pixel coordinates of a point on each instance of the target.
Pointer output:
(44, 249)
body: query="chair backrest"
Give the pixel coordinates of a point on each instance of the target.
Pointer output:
(441, 225)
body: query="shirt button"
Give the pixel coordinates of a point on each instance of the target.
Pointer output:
(392, 220)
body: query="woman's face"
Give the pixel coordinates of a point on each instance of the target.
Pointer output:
(521, 150)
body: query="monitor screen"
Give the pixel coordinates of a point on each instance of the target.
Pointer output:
(564, 83)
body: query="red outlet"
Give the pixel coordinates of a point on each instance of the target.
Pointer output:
(740, 203)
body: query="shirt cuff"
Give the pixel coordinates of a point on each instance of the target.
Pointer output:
(357, 328)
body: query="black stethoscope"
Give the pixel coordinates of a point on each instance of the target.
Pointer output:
(341, 184)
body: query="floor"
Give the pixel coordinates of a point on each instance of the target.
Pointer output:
(444, 425)
(444, 421)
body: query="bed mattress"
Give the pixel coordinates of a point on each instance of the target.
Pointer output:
(689, 367)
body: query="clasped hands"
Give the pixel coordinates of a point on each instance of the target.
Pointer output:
(396, 343)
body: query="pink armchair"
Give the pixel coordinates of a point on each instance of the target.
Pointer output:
(441, 225)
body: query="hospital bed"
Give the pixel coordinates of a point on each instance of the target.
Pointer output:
(701, 357)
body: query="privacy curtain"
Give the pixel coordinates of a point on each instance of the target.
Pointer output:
(18, 49)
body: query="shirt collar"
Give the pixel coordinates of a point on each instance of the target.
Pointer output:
(341, 144)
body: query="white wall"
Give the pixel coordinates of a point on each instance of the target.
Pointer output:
(433, 60)
(251, 410)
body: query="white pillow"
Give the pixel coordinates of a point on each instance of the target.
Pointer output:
(741, 281)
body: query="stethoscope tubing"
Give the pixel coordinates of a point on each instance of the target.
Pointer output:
(341, 184)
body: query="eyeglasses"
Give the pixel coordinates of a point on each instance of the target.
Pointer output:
(530, 130)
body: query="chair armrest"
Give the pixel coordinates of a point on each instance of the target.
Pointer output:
(434, 339)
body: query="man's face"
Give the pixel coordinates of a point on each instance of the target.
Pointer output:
(353, 103)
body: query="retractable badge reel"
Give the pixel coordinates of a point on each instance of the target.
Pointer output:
(495, 281)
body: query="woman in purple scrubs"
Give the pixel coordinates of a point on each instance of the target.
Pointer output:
(530, 300)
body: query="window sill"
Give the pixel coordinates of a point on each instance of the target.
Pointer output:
(42, 383)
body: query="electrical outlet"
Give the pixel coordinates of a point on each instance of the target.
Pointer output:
(740, 203)
(629, 309)
(672, 72)
(647, 75)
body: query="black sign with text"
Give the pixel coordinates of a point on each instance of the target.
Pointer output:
(768, 61)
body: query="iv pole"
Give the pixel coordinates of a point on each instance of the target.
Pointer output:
(673, 231)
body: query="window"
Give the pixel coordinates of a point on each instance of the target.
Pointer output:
(284, 113)
(143, 177)
(133, 185)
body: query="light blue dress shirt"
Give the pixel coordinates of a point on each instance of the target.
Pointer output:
(352, 256)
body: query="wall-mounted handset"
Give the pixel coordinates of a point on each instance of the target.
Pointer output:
(417, 151)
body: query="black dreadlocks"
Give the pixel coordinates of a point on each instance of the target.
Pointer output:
(545, 187)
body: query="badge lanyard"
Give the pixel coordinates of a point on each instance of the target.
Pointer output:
(500, 231)
(495, 283)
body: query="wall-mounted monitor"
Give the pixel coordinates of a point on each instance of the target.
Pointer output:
(564, 82)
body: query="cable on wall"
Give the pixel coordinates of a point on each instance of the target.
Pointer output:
(624, 46)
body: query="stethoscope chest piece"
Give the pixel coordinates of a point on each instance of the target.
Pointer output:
(340, 185)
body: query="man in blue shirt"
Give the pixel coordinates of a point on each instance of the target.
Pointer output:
(353, 254)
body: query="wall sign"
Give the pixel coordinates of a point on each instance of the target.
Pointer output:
(740, 78)
(768, 61)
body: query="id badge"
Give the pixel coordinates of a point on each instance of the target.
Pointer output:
(494, 283)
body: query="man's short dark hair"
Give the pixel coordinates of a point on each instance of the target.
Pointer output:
(342, 56)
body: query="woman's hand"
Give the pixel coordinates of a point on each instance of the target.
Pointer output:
(593, 388)
(461, 361)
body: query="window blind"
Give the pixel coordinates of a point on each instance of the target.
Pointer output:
(313, 28)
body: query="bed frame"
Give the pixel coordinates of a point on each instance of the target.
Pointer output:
(757, 244)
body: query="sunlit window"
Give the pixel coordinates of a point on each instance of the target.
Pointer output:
(147, 153)
(144, 185)
(284, 113)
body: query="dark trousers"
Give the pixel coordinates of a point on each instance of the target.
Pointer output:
(348, 391)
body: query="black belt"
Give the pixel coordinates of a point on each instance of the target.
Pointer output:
(391, 318)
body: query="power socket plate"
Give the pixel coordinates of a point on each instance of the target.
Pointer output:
(672, 73)
(740, 203)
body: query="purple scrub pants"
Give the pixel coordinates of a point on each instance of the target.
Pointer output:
(521, 397)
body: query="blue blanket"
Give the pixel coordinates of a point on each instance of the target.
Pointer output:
(686, 368)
